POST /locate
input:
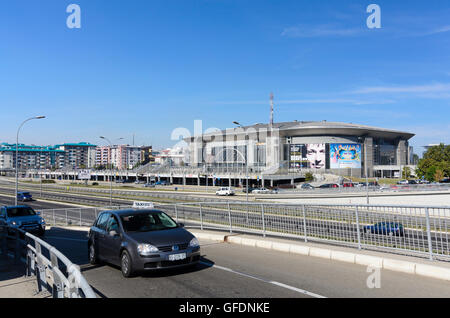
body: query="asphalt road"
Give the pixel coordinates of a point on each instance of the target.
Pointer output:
(233, 271)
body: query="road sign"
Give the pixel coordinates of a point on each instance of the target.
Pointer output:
(84, 175)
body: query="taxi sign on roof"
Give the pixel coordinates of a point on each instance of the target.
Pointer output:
(143, 205)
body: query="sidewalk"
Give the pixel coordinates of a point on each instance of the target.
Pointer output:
(14, 284)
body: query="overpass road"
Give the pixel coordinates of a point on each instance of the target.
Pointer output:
(233, 271)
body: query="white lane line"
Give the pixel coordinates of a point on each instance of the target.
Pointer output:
(298, 290)
(65, 238)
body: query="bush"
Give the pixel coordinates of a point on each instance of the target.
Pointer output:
(309, 177)
(94, 183)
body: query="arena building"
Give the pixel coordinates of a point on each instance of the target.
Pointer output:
(297, 147)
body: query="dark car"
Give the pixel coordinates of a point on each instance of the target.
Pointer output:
(446, 180)
(24, 196)
(22, 217)
(306, 186)
(385, 228)
(162, 182)
(250, 189)
(141, 240)
(329, 185)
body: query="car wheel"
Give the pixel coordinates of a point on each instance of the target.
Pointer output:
(126, 264)
(93, 259)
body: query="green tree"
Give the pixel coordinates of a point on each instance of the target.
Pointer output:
(436, 158)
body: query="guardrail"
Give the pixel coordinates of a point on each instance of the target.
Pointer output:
(57, 274)
(424, 230)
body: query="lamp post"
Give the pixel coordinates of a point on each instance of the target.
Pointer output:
(246, 163)
(110, 169)
(17, 153)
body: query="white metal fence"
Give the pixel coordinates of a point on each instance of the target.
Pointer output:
(416, 230)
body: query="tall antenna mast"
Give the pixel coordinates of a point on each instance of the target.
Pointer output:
(271, 110)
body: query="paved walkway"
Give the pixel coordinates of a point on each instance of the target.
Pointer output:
(14, 284)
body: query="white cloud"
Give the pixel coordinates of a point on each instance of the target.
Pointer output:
(429, 88)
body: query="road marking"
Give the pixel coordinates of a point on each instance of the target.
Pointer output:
(298, 290)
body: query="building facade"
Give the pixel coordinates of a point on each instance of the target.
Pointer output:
(77, 155)
(321, 147)
(31, 157)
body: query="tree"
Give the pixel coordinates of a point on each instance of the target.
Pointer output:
(438, 175)
(436, 158)
(406, 173)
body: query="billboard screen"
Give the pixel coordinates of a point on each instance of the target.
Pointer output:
(308, 156)
(345, 156)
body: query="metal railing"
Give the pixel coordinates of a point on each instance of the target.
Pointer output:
(424, 230)
(405, 229)
(57, 274)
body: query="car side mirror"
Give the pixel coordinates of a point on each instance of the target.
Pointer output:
(180, 224)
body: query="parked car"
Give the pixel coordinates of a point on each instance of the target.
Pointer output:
(162, 182)
(225, 191)
(120, 181)
(22, 217)
(306, 186)
(329, 185)
(24, 196)
(446, 180)
(250, 189)
(149, 185)
(402, 182)
(348, 185)
(385, 228)
(261, 191)
(412, 182)
(141, 240)
(287, 186)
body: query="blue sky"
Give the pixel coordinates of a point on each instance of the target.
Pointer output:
(148, 67)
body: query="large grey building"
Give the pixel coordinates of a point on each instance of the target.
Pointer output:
(328, 147)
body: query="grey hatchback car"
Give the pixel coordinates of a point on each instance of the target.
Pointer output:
(141, 239)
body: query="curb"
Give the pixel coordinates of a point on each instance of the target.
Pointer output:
(430, 271)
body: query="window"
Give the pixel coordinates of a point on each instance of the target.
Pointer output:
(113, 225)
(102, 221)
(20, 211)
(146, 222)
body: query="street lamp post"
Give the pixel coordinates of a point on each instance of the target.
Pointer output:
(17, 153)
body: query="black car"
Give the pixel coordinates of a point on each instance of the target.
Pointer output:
(250, 189)
(140, 240)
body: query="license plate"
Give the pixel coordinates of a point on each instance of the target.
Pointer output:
(177, 257)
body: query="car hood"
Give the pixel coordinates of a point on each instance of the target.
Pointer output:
(32, 218)
(162, 238)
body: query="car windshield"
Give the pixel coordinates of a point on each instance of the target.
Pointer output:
(24, 193)
(20, 211)
(147, 222)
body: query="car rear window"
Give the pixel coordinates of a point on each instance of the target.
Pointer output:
(20, 211)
